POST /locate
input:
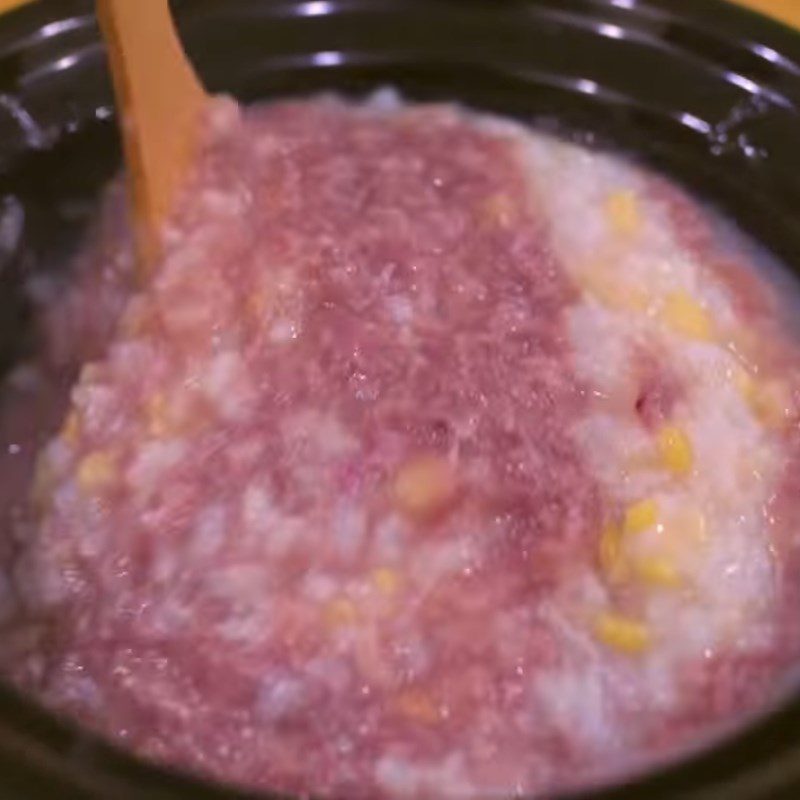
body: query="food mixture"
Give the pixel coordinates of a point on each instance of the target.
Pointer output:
(438, 458)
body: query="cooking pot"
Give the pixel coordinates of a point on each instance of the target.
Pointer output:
(700, 89)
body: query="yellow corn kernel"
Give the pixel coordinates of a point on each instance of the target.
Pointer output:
(500, 210)
(688, 525)
(744, 382)
(611, 292)
(418, 706)
(259, 303)
(745, 345)
(686, 317)
(640, 516)
(659, 572)
(71, 429)
(773, 404)
(675, 449)
(385, 580)
(424, 486)
(96, 471)
(612, 560)
(769, 400)
(748, 387)
(90, 373)
(622, 209)
(157, 415)
(340, 613)
(175, 413)
(622, 633)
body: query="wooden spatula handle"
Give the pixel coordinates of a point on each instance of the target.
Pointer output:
(159, 102)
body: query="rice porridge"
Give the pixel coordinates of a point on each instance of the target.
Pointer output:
(438, 458)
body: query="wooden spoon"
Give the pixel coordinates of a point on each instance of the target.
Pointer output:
(159, 100)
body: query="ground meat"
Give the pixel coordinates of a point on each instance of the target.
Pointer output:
(363, 309)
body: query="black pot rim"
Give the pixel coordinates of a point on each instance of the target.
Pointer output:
(45, 44)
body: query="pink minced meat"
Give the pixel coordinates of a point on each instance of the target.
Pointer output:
(341, 297)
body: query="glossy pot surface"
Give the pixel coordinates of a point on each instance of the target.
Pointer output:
(707, 92)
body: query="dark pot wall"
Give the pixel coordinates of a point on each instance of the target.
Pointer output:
(707, 92)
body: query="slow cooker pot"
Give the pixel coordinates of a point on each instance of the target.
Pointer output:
(700, 89)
